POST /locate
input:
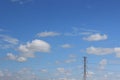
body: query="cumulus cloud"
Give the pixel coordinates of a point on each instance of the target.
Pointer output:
(36, 45)
(66, 46)
(95, 37)
(48, 34)
(13, 57)
(29, 49)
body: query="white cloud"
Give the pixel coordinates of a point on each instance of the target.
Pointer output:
(70, 60)
(36, 45)
(95, 37)
(22, 74)
(28, 50)
(99, 50)
(9, 39)
(90, 74)
(61, 70)
(21, 59)
(44, 70)
(21, 1)
(72, 56)
(48, 34)
(103, 51)
(103, 63)
(117, 50)
(11, 56)
(66, 46)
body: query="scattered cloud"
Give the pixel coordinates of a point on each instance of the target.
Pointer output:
(44, 70)
(21, 59)
(103, 64)
(89, 30)
(72, 56)
(63, 71)
(13, 57)
(90, 74)
(48, 34)
(117, 50)
(75, 32)
(21, 1)
(29, 49)
(9, 39)
(22, 74)
(99, 50)
(103, 51)
(95, 37)
(80, 31)
(70, 60)
(66, 46)
(7, 42)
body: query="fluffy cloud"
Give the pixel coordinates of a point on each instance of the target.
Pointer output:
(29, 49)
(48, 34)
(96, 37)
(11, 56)
(66, 46)
(36, 45)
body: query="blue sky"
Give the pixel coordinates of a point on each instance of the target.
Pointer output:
(47, 39)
